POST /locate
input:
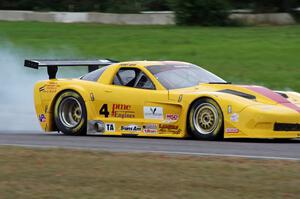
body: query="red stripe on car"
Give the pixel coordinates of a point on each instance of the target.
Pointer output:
(273, 96)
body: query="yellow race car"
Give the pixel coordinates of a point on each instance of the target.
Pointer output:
(160, 98)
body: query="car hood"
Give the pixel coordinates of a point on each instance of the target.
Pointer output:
(250, 93)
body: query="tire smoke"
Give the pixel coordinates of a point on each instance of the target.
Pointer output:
(17, 111)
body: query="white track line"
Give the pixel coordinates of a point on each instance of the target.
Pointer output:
(158, 152)
(226, 155)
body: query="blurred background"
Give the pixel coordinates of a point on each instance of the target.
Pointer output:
(245, 42)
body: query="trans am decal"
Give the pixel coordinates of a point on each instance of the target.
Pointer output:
(131, 127)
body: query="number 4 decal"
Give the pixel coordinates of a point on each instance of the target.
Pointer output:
(104, 110)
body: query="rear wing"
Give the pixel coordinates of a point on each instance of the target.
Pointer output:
(52, 65)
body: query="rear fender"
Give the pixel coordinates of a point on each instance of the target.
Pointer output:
(45, 102)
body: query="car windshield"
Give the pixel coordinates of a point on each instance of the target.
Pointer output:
(182, 75)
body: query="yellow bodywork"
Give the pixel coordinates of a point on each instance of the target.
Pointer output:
(248, 118)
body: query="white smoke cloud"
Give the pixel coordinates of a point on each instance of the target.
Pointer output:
(16, 85)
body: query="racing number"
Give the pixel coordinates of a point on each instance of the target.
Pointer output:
(104, 110)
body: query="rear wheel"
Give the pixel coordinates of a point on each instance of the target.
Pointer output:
(70, 114)
(206, 120)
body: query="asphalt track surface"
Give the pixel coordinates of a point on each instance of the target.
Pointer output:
(247, 148)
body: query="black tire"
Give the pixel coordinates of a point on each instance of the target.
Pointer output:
(70, 114)
(205, 120)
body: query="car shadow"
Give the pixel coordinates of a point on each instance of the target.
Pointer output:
(248, 140)
(236, 140)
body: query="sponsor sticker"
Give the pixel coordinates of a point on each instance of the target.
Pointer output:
(41, 89)
(231, 130)
(150, 128)
(229, 109)
(42, 118)
(169, 128)
(92, 96)
(50, 87)
(110, 127)
(172, 117)
(131, 127)
(122, 111)
(234, 117)
(128, 64)
(153, 112)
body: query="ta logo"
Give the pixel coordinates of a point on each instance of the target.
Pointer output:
(153, 110)
(110, 127)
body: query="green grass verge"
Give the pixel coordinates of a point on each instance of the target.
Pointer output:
(61, 173)
(266, 56)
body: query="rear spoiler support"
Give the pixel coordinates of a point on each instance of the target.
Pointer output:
(52, 65)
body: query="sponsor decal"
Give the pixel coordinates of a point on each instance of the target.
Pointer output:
(172, 117)
(118, 110)
(122, 111)
(152, 112)
(41, 89)
(50, 87)
(131, 127)
(231, 130)
(150, 128)
(42, 118)
(110, 127)
(128, 64)
(169, 128)
(92, 97)
(229, 109)
(234, 117)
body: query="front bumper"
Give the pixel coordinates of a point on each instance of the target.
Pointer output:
(261, 121)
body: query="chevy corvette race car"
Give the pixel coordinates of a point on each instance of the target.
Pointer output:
(160, 98)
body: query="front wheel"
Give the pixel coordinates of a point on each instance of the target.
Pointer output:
(70, 114)
(206, 120)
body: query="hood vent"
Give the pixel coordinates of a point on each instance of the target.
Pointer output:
(237, 93)
(282, 94)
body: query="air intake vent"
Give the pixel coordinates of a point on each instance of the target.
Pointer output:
(240, 94)
(286, 127)
(282, 94)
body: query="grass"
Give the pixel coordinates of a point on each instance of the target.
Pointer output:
(266, 56)
(250, 55)
(62, 173)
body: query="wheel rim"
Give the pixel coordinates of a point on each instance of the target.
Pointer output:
(70, 112)
(206, 118)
